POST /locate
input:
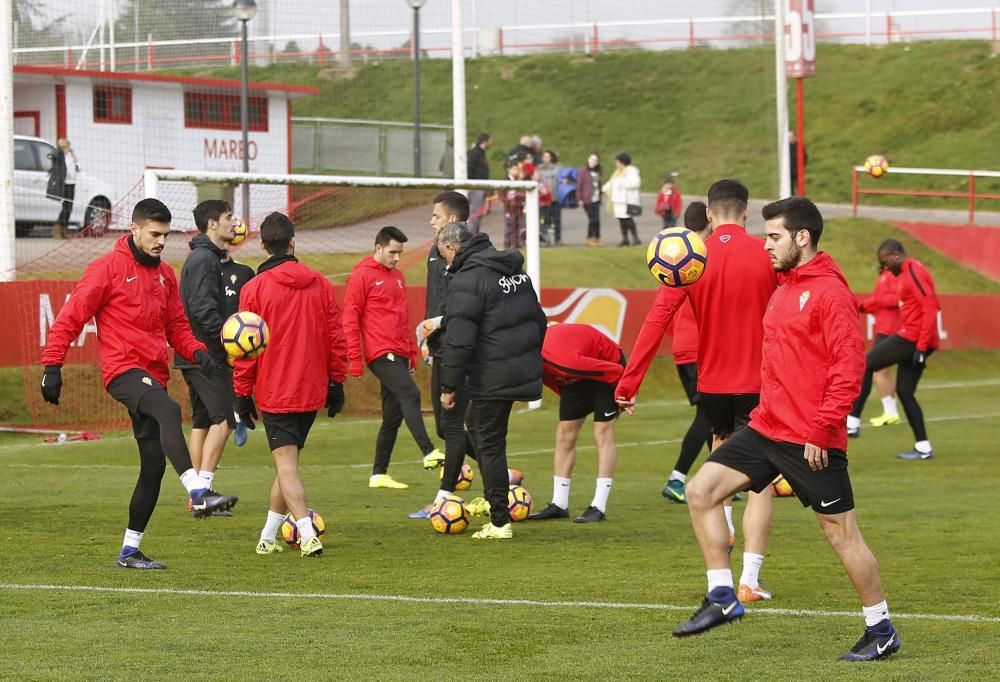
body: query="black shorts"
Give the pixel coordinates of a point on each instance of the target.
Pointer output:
(211, 398)
(128, 388)
(688, 373)
(879, 337)
(582, 398)
(287, 428)
(827, 491)
(728, 413)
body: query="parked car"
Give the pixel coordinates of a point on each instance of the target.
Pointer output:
(32, 206)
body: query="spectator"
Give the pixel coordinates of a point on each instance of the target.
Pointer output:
(623, 190)
(447, 163)
(668, 203)
(513, 209)
(478, 169)
(588, 192)
(62, 183)
(551, 215)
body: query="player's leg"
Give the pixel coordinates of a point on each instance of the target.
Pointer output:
(152, 465)
(885, 353)
(216, 393)
(276, 511)
(286, 434)
(395, 376)
(885, 384)
(575, 404)
(605, 411)
(907, 378)
(385, 441)
(489, 420)
(698, 435)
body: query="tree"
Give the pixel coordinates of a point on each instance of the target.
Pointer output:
(178, 20)
(33, 27)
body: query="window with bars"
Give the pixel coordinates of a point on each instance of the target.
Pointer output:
(222, 112)
(112, 104)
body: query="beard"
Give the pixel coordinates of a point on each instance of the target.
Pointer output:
(790, 259)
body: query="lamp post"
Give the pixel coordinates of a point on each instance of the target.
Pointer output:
(416, 5)
(244, 11)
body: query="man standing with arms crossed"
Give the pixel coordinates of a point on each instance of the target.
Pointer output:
(478, 168)
(133, 296)
(809, 377)
(729, 303)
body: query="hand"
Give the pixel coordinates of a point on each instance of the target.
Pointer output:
(431, 325)
(52, 384)
(205, 363)
(447, 400)
(919, 358)
(334, 399)
(246, 410)
(627, 404)
(816, 457)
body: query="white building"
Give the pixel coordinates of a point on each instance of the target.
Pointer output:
(122, 123)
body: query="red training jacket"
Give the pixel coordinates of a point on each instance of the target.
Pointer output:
(683, 330)
(815, 360)
(376, 315)
(728, 302)
(668, 202)
(884, 304)
(575, 352)
(138, 312)
(307, 346)
(918, 305)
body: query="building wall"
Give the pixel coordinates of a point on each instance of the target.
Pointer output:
(40, 98)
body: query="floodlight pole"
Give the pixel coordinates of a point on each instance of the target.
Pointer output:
(245, 11)
(416, 5)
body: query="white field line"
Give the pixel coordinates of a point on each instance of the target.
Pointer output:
(166, 591)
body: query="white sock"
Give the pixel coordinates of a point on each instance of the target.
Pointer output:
(560, 492)
(875, 614)
(853, 422)
(271, 526)
(132, 538)
(719, 577)
(729, 519)
(208, 477)
(677, 476)
(601, 493)
(442, 493)
(191, 480)
(751, 569)
(889, 406)
(923, 446)
(306, 530)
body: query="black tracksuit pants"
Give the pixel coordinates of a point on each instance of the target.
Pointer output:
(487, 421)
(895, 350)
(450, 425)
(400, 401)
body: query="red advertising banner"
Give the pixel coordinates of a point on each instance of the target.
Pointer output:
(800, 39)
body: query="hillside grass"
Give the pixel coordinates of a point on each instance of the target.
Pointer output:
(703, 113)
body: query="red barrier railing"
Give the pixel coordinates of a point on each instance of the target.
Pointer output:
(971, 195)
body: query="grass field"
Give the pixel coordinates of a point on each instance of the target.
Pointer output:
(391, 599)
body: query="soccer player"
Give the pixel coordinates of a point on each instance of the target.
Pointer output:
(203, 293)
(302, 370)
(582, 366)
(493, 345)
(908, 348)
(809, 377)
(377, 326)
(728, 302)
(683, 331)
(133, 296)
(234, 276)
(884, 305)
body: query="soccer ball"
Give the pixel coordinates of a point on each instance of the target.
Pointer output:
(519, 502)
(240, 232)
(449, 515)
(514, 477)
(465, 477)
(290, 532)
(676, 257)
(876, 165)
(781, 487)
(244, 336)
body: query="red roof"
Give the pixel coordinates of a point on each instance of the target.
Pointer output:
(215, 83)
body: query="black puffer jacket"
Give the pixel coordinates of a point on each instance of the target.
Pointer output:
(202, 294)
(495, 326)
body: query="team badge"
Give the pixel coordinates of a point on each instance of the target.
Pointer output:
(162, 280)
(803, 299)
(725, 238)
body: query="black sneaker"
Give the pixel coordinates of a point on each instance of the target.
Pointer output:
(553, 511)
(589, 515)
(877, 642)
(720, 606)
(139, 561)
(206, 502)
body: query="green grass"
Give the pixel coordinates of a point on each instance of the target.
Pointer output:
(705, 113)
(929, 524)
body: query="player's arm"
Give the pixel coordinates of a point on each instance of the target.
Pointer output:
(178, 329)
(668, 300)
(88, 296)
(337, 367)
(845, 352)
(351, 315)
(923, 288)
(203, 298)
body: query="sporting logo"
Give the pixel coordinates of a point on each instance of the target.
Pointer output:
(147, 381)
(132, 278)
(611, 414)
(726, 610)
(725, 238)
(379, 282)
(826, 504)
(880, 648)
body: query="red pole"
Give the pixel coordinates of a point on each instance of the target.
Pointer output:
(888, 28)
(994, 24)
(800, 148)
(690, 34)
(319, 50)
(500, 39)
(597, 42)
(854, 191)
(972, 197)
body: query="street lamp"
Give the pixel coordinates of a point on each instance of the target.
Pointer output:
(244, 11)
(416, 5)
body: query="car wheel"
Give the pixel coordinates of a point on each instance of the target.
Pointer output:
(22, 229)
(97, 217)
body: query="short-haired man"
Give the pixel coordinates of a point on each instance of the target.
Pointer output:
(493, 345)
(908, 348)
(377, 327)
(302, 370)
(133, 295)
(582, 366)
(813, 363)
(203, 293)
(478, 167)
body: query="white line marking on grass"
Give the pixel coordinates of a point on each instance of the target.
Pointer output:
(167, 591)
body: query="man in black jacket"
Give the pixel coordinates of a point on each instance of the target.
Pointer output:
(478, 169)
(204, 295)
(493, 347)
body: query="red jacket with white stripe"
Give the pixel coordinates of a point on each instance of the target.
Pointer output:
(814, 358)
(918, 305)
(576, 352)
(884, 304)
(138, 312)
(376, 315)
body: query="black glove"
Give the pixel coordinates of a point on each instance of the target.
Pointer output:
(245, 408)
(52, 384)
(205, 363)
(919, 359)
(334, 399)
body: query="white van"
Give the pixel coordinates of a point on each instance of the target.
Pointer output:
(32, 161)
